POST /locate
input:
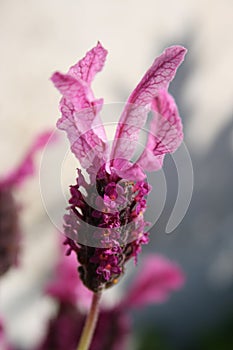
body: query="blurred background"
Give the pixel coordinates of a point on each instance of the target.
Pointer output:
(37, 38)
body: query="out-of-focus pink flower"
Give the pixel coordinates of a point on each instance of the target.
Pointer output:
(26, 167)
(4, 345)
(9, 210)
(157, 279)
(66, 285)
(121, 229)
(65, 329)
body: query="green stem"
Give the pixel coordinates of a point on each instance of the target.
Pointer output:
(89, 327)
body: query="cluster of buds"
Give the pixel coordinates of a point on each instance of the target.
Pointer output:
(109, 224)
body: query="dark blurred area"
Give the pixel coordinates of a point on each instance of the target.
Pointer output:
(201, 315)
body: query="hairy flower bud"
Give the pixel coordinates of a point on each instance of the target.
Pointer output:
(105, 227)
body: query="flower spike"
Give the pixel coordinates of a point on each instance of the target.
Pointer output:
(105, 227)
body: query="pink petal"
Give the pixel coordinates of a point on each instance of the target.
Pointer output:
(155, 281)
(131, 122)
(27, 167)
(165, 134)
(75, 91)
(156, 78)
(80, 119)
(91, 64)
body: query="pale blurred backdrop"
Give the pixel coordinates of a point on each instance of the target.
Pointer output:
(39, 37)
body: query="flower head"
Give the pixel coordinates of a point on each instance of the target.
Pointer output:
(106, 226)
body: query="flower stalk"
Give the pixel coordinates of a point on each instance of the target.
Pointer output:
(90, 325)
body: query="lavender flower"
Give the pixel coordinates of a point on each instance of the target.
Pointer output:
(106, 227)
(9, 209)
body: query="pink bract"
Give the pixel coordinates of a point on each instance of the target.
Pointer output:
(156, 280)
(27, 167)
(81, 114)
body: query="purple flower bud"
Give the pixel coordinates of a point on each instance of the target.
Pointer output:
(119, 230)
